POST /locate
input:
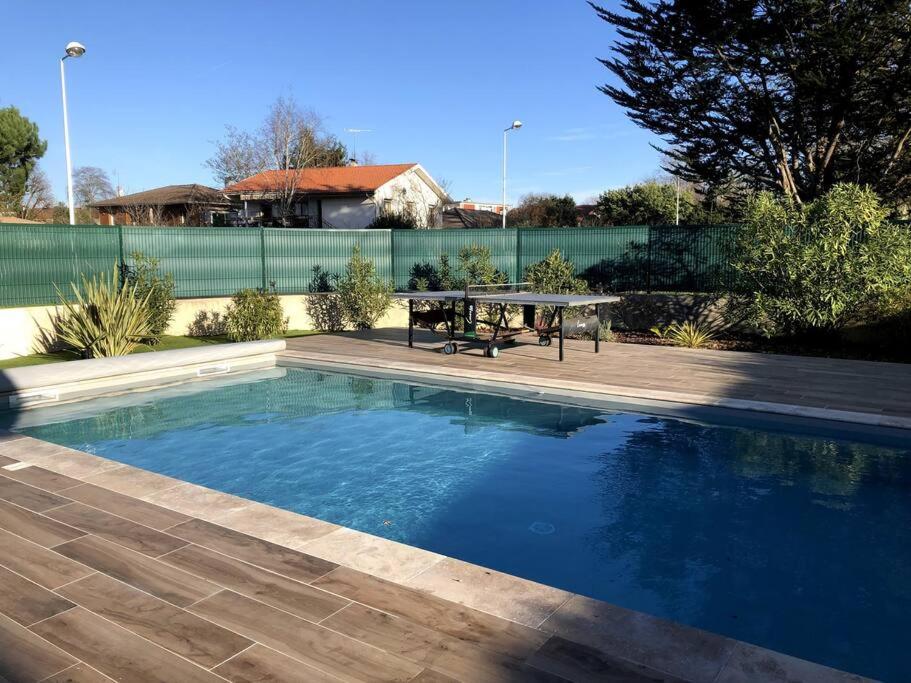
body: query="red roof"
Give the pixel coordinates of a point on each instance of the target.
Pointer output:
(332, 180)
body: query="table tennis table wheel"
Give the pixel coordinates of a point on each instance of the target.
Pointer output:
(543, 340)
(449, 348)
(492, 351)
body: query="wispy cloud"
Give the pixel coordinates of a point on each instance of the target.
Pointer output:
(580, 134)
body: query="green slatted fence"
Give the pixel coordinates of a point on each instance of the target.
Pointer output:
(219, 261)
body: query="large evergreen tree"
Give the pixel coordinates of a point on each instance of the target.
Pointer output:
(20, 149)
(792, 95)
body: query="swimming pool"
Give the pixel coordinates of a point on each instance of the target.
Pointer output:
(792, 541)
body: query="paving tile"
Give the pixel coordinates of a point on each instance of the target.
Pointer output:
(260, 664)
(506, 596)
(116, 652)
(372, 554)
(750, 663)
(4, 461)
(42, 478)
(140, 571)
(132, 481)
(26, 658)
(179, 631)
(45, 567)
(583, 664)
(431, 676)
(197, 501)
(29, 497)
(279, 591)
(27, 449)
(125, 506)
(26, 602)
(276, 558)
(468, 625)
(276, 525)
(76, 463)
(319, 647)
(34, 527)
(80, 673)
(128, 534)
(428, 648)
(659, 644)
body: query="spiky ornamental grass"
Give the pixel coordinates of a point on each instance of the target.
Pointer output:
(104, 317)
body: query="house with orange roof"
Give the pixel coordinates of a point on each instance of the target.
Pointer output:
(342, 197)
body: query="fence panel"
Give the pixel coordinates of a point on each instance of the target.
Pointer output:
(292, 254)
(33, 259)
(609, 259)
(691, 259)
(415, 248)
(204, 261)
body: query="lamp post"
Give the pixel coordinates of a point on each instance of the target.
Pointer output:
(73, 49)
(515, 126)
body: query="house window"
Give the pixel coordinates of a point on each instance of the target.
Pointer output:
(387, 206)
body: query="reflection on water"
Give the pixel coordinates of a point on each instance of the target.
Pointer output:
(793, 542)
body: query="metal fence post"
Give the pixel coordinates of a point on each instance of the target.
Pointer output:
(518, 254)
(262, 253)
(123, 260)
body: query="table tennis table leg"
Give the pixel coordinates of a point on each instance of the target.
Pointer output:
(560, 323)
(410, 323)
(598, 328)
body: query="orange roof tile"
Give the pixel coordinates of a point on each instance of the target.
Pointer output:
(332, 180)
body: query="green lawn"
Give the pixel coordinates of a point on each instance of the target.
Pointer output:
(167, 343)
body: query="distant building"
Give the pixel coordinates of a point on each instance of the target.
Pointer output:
(339, 196)
(471, 205)
(470, 218)
(169, 205)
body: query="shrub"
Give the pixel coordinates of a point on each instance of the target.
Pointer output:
(807, 270)
(324, 304)
(105, 318)
(207, 324)
(476, 264)
(427, 277)
(394, 221)
(363, 297)
(158, 290)
(555, 275)
(255, 314)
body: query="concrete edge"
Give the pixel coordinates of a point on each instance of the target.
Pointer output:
(41, 385)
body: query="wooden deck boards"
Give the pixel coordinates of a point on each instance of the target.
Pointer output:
(835, 384)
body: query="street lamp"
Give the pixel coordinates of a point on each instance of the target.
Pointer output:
(515, 126)
(73, 49)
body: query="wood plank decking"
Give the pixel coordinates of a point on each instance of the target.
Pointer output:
(879, 389)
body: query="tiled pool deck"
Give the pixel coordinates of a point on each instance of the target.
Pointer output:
(112, 572)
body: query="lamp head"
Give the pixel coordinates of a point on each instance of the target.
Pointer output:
(516, 124)
(74, 49)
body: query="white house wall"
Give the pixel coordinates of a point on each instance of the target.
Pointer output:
(347, 213)
(410, 187)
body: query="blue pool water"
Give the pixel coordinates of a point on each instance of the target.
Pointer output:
(795, 542)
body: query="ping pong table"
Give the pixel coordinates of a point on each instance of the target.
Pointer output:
(446, 303)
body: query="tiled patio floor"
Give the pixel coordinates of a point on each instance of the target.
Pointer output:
(98, 584)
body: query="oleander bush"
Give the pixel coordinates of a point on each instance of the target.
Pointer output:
(363, 296)
(157, 289)
(255, 314)
(808, 270)
(555, 275)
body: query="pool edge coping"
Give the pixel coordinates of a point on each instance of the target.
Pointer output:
(734, 651)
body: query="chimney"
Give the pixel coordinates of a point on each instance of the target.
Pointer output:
(352, 162)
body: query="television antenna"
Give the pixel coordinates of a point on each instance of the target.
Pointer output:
(354, 133)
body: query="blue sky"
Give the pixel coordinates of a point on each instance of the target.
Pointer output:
(436, 82)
